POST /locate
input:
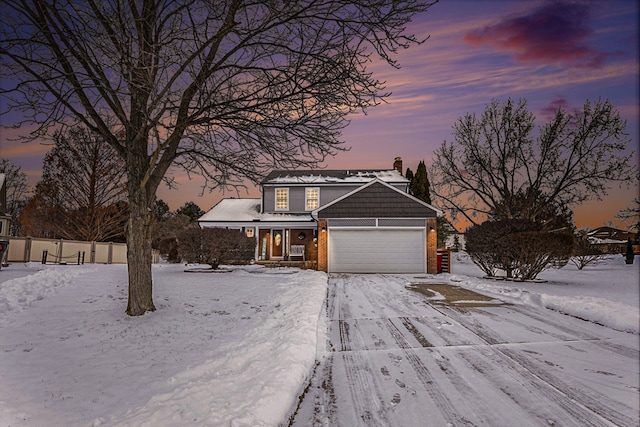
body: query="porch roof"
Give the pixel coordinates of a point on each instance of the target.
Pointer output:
(241, 210)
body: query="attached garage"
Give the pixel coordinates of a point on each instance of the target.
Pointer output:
(377, 228)
(377, 250)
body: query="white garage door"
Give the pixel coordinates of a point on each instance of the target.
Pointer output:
(377, 251)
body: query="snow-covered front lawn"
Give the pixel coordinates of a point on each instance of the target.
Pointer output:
(222, 348)
(607, 293)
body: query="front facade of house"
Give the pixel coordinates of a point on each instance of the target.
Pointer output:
(351, 221)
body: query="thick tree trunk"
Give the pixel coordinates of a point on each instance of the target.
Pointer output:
(139, 254)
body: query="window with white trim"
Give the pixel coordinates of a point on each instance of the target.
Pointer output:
(312, 198)
(282, 199)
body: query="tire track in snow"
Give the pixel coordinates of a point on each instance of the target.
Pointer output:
(589, 410)
(599, 404)
(367, 399)
(607, 345)
(517, 385)
(437, 395)
(365, 395)
(525, 383)
(345, 337)
(595, 401)
(406, 322)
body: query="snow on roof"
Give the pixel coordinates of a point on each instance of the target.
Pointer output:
(607, 234)
(239, 210)
(596, 241)
(333, 176)
(233, 210)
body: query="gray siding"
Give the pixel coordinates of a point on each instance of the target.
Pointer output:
(328, 193)
(377, 201)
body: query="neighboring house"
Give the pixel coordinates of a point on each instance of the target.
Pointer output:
(611, 240)
(357, 221)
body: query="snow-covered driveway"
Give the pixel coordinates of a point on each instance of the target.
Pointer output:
(395, 357)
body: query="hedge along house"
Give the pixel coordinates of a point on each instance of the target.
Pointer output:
(357, 221)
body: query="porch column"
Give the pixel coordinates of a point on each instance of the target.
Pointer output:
(432, 246)
(256, 236)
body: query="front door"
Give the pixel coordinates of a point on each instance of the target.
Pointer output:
(277, 242)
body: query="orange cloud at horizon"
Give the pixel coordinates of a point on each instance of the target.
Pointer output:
(28, 149)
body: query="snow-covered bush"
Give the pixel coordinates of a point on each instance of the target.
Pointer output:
(584, 253)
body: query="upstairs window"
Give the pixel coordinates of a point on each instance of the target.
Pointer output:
(312, 199)
(282, 199)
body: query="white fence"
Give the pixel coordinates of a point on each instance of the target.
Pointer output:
(26, 249)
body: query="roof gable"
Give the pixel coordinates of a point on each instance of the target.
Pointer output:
(377, 199)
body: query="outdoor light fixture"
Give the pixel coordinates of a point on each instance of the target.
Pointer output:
(324, 228)
(431, 228)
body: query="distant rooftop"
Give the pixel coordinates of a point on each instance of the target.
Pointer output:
(357, 176)
(608, 234)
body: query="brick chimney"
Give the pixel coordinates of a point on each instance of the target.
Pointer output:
(397, 165)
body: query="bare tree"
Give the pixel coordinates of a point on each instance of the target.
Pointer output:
(496, 165)
(16, 183)
(40, 216)
(631, 215)
(226, 89)
(16, 187)
(89, 181)
(584, 253)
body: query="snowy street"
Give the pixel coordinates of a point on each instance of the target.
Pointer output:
(395, 356)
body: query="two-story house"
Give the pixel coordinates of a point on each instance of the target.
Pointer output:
(358, 221)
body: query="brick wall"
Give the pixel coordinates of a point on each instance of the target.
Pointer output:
(322, 245)
(432, 246)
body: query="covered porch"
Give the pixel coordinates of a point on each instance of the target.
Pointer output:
(281, 239)
(286, 244)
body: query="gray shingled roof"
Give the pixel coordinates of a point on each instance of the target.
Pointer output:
(333, 176)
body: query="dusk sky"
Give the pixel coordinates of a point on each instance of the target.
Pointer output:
(554, 54)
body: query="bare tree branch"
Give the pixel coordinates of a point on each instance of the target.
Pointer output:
(226, 89)
(495, 161)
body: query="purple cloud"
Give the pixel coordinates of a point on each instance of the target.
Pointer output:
(555, 33)
(549, 111)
